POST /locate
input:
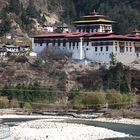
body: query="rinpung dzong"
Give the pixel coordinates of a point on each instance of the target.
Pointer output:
(93, 40)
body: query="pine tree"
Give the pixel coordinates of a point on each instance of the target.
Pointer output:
(15, 6)
(31, 10)
(5, 24)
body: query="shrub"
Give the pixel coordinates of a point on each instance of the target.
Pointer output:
(126, 99)
(38, 63)
(92, 100)
(4, 102)
(27, 106)
(21, 59)
(14, 103)
(114, 100)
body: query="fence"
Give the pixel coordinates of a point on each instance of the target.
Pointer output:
(4, 132)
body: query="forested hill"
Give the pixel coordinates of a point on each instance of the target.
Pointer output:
(126, 13)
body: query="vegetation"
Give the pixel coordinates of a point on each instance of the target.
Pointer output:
(126, 13)
(116, 100)
(21, 59)
(117, 77)
(97, 100)
(28, 96)
(38, 63)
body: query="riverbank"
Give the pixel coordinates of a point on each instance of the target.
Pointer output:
(41, 126)
(57, 130)
(119, 120)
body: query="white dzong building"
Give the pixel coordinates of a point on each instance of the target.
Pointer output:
(93, 40)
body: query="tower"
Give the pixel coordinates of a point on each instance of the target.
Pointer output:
(94, 23)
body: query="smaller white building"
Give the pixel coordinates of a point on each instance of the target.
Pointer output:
(3, 52)
(11, 49)
(24, 48)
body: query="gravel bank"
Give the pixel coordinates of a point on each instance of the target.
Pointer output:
(44, 129)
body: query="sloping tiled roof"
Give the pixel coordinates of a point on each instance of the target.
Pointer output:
(92, 36)
(113, 36)
(95, 21)
(76, 34)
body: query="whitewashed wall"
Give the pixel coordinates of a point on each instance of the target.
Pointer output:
(88, 52)
(127, 57)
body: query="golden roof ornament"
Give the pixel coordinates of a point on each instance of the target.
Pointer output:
(94, 12)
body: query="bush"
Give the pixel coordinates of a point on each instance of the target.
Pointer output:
(27, 106)
(114, 100)
(38, 63)
(14, 103)
(21, 59)
(92, 100)
(4, 102)
(126, 99)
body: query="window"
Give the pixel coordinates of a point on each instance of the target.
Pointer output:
(116, 43)
(64, 43)
(116, 48)
(96, 49)
(107, 48)
(77, 43)
(130, 49)
(59, 42)
(73, 43)
(122, 49)
(53, 42)
(127, 49)
(69, 43)
(101, 49)
(87, 43)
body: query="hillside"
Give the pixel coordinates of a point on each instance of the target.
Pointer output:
(26, 12)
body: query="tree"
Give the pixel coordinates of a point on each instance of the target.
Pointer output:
(114, 100)
(15, 6)
(113, 59)
(5, 25)
(31, 10)
(118, 78)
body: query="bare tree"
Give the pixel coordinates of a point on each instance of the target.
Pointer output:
(55, 53)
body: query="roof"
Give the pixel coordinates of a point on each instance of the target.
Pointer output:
(94, 16)
(76, 34)
(50, 35)
(94, 21)
(113, 36)
(10, 46)
(92, 36)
